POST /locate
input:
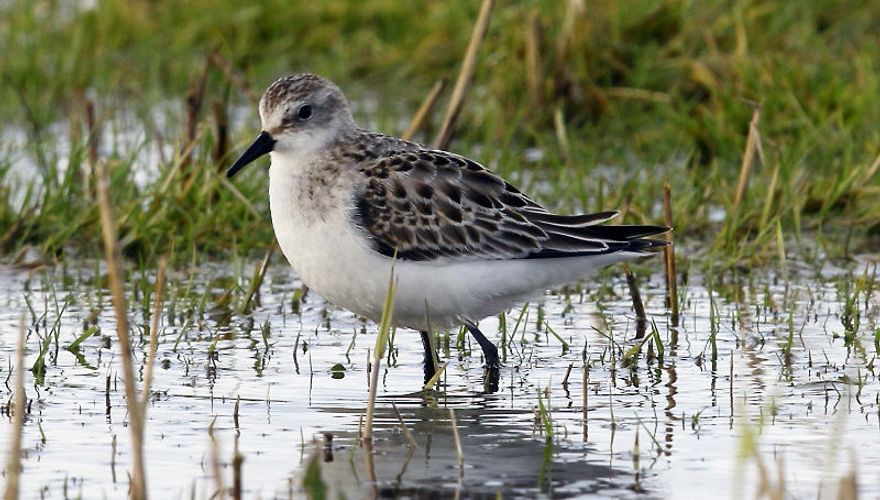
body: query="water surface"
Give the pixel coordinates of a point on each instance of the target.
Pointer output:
(803, 391)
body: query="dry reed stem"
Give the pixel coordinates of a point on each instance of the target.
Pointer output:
(261, 275)
(458, 453)
(216, 469)
(424, 111)
(567, 374)
(585, 396)
(107, 395)
(406, 433)
(562, 135)
(379, 352)
(75, 132)
(114, 268)
(669, 255)
(237, 461)
(327, 450)
(636, 94)
(753, 146)
(92, 141)
(873, 169)
(221, 128)
(154, 333)
(195, 99)
(441, 367)
(180, 162)
(240, 197)
(371, 466)
(780, 477)
(534, 65)
(234, 76)
(638, 306)
(235, 411)
(463, 81)
(13, 463)
(371, 401)
(574, 9)
(848, 486)
(113, 458)
(92, 146)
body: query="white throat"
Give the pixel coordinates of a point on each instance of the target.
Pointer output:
(310, 199)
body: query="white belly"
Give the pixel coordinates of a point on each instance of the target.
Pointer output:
(330, 254)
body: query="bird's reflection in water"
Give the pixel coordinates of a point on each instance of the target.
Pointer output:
(500, 450)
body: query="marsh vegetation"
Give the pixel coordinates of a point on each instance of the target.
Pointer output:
(751, 126)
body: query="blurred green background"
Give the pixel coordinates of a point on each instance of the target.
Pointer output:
(588, 105)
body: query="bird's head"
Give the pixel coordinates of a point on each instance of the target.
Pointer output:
(300, 114)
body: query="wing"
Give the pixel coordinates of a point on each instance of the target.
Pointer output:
(427, 204)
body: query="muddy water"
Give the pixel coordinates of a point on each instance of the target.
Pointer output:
(800, 406)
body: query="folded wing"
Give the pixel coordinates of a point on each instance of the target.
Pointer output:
(427, 204)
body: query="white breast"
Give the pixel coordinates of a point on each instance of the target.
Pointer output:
(310, 214)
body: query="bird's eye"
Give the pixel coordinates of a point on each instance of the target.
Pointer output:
(304, 112)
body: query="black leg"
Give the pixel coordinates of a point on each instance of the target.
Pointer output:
(490, 380)
(430, 356)
(490, 352)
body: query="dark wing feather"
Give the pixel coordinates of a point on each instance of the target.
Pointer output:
(427, 204)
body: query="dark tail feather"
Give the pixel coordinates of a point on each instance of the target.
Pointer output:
(645, 246)
(622, 233)
(603, 233)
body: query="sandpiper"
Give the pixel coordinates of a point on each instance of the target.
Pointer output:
(347, 203)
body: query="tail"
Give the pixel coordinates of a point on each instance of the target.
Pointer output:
(574, 236)
(633, 239)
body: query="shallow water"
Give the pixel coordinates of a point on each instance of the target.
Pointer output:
(670, 426)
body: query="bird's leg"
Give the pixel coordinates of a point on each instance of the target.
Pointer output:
(490, 380)
(490, 352)
(430, 355)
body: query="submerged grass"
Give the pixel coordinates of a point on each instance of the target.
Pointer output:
(658, 88)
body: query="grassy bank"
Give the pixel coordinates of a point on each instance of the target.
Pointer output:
(616, 96)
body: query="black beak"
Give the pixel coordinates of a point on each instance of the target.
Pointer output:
(263, 144)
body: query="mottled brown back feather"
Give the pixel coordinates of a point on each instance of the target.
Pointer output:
(428, 204)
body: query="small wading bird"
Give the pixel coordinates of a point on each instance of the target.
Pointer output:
(347, 203)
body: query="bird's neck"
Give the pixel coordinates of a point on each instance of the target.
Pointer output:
(311, 187)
